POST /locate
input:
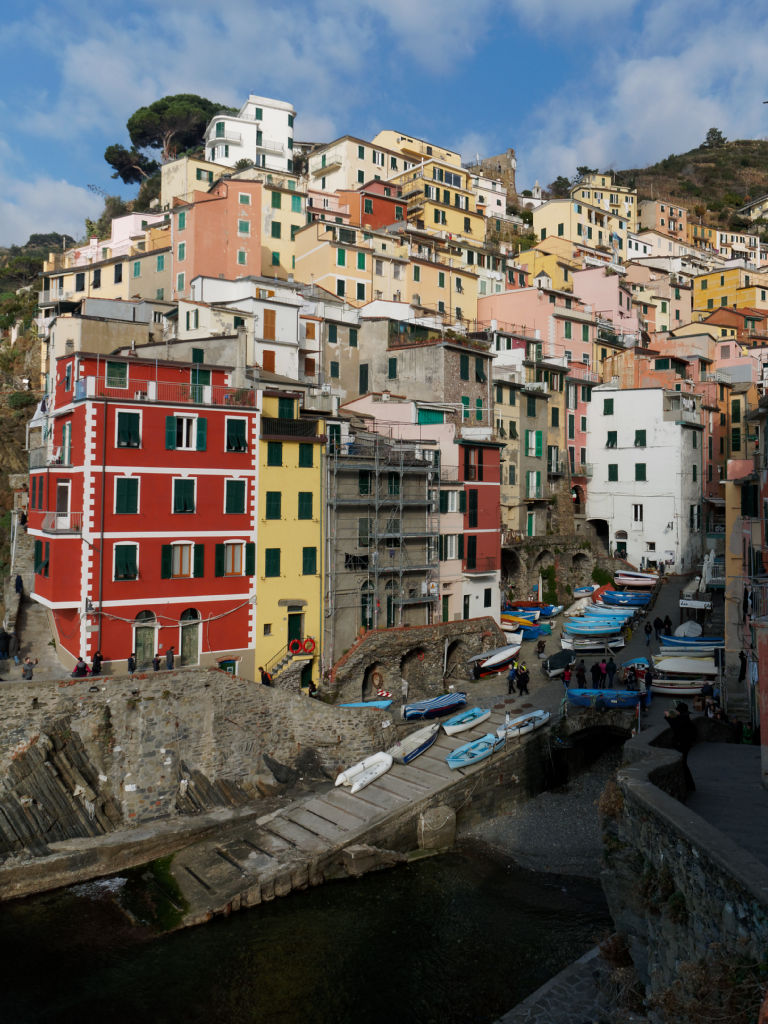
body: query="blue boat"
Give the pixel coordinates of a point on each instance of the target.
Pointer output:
(465, 720)
(475, 751)
(415, 743)
(602, 699)
(575, 627)
(532, 633)
(692, 641)
(434, 707)
(635, 599)
(365, 704)
(615, 611)
(585, 591)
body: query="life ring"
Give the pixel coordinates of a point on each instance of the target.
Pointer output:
(294, 646)
(377, 679)
(309, 645)
(420, 655)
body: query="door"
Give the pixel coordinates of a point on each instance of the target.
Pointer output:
(530, 527)
(621, 549)
(190, 643)
(198, 379)
(446, 602)
(144, 645)
(62, 504)
(294, 626)
(466, 606)
(362, 387)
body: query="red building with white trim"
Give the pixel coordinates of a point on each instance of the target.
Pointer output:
(480, 471)
(143, 506)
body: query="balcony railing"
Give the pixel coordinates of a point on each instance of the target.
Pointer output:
(485, 563)
(556, 467)
(62, 522)
(533, 493)
(583, 469)
(162, 391)
(224, 135)
(273, 426)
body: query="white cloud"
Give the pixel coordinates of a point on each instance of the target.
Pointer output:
(44, 205)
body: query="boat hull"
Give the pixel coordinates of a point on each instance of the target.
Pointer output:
(435, 707)
(474, 752)
(685, 666)
(365, 772)
(366, 704)
(587, 698)
(465, 720)
(677, 687)
(412, 746)
(588, 644)
(521, 726)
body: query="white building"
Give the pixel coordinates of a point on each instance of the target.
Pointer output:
(262, 132)
(645, 450)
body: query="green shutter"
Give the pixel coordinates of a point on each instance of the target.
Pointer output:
(170, 433)
(305, 456)
(462, 501)
(440, 548)
(199, 561)
(202, 433)
(38, 556)
(250, 559)
(305, 504)
(309, 561)
(443, 501)
(166, 561)
(271, 562)
(274, 504)
(218, 567)
(539, 444)
(461, 545)
(235, 496)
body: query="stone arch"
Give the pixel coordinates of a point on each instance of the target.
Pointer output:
(456, 659)
(373, 679)
(580, 561)
(577, 499)
(511, 565)
(543, 559)
(413, 668)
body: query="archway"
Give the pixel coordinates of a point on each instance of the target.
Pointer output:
(577, 498)
(580, 562)
(456, 660)
(144, 638)
(413, 669)
(189, 644)
(373, 680)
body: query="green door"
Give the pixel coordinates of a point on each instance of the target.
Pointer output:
(199, 379)
(446, 601)
(145, 645)
(621, 549)
(294, 626)
(189, 643)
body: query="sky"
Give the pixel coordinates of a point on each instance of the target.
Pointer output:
(606, 83)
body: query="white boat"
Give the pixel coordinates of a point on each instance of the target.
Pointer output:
(465, 720)
(689, 650)
(409, 747)
(591, 643)
(684, 666)
(364, 772)
(590, 588)
(511, 637)
(496, 660)
(577, 608)
(513, 728)
(677, 687)
(625, 578)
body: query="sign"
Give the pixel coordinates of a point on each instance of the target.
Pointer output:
(687, 603)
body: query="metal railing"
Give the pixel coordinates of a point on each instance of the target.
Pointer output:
(62, 522)
(166, 392)
(272, 426)
(583, 469)
(485, 563)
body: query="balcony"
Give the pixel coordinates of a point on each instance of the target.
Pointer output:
(583, 469)
(534, 493)
(160, 391)
(225, 134)
(555, 467)
(270, 146)
(481, 566)
(332, 162)
(62, 522)
(276, 427)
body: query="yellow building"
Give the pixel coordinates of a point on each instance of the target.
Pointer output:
(554, 257)
(283, 215)
(439, 198)
(700, 236)
(180, 179)
(582, 223)
(597, 189)
(417, 150)
(290, 531)
(729, 286)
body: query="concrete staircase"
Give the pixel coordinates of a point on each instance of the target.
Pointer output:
(22, 564)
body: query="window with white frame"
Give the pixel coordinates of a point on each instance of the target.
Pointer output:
(181, 561)
(450, 546)
(637, 513)
(126, 565)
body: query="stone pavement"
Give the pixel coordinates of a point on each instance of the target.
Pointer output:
(35, 637)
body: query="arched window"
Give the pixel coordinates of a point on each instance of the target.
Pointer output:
(145, 617)
(190, 615)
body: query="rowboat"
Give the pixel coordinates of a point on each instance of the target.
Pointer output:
(584, 627)
(692, 641)
(475, 751)
(534, 632)
(496, 660)
(624, 578)
(465, 720)
(677, 687)
(512, 637)
(415, 743)
(590, 588)
(684, 666)
(601, 699)
(626, 597)
(519, 619)
(547, 610)
(434, 707)
(364, 772)
(556, 664)
(585, 644)
(513, 728)
(689, 651)
(609, 611)
(365, 704)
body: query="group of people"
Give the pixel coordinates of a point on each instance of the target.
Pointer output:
(602, 674)
(10, 647)
(659, 627)
(157, 660)
(518, 673)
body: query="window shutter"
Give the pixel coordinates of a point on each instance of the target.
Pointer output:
(461, 545)
(235, 496)
(166, 561)
(250, 559)
(462, 501)
(202, 432)
(440, 548)
(170, 433)
(305, 504)
(38, 556)
(219, 560)
(199, 567)
(443, 501)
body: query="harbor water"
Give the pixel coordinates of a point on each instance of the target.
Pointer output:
(455, 939)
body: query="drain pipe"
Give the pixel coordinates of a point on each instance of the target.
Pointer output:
(101, 534)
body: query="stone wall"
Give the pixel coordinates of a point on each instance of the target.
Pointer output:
(428, 659)
(676, 886)
(82, 757)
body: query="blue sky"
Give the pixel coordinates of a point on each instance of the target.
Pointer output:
(608, 83)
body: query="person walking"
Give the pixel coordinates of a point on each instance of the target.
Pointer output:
(266, 678)
(603, 672)
(610, 670)
(96, 666)
(131, 663)
(581, 674)
(4, 638)
(14, 648)
(595, 673)
(658, 625)
(648, 630)
(28, 667)
(169, 659)
(156, 663)
(684, 737)
(667, 626)
(523, 678)
(511, 676)
(567, 675)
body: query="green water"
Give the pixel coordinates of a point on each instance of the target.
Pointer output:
(458, 939)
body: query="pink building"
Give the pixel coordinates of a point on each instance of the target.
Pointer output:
(609, 296)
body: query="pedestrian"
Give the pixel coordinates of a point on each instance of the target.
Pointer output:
(567, 675)
(169, 657)
(312, 688)
(648, 631)
(603, 672)
(80, 669)
(631, 679)
(27, 667)
(658, 625)
(667, 626)
(684, 737)
(581, 674)
(14, 648)
(595, 673)
(19, 584)
(511, 675)
(131, 662)
(742, 666)
(96, 666)
(610, 671)
(23, 519)
(156, 662)
(4, 638)
(266, 678)
(523, 678)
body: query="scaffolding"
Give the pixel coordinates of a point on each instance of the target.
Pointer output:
(384, 524)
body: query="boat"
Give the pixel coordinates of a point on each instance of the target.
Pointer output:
(465, 720)
(577, 608)
(409, 747)
(477, 750)
(609, 611)
(684, 666)
(365, 704)
(677, 687)
(587, 644)
(533, 632)
(625, 578)
(513, 728)
(585, 627)
(590, 588)
(434, 707)
(546, 610)
(689, 628)
(511, 637)
(632, 598)
(557, 663)
(521, 619)
(607, 698)
(692, 641)
(496, 660)
(689, 651)
(364, 772)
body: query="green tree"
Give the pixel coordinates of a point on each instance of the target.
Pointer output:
(560, 188)
(130, 165)
(714, 139)
(583, 171)
(171, 124)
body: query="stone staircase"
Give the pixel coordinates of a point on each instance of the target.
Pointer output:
(23, 564)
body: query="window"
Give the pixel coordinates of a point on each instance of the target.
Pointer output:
(42, 556)
(367, 206)
(694, 473)
(607, 407)
(735, 439)
(236, 558)
(185, 433)
(96, 279)
(585, 332)
(118, 273)
(340, 287)
(236, 439)
(126, 562)
(305, 505)
(341, 257)
(440, 279)
(363, 481)
(126, 495)
(295, 204)
(234, 496)
(117, 375)
(128, 429)
(274, 453)
(306, 456)
(567, 329)
(530, 406)
(512, 474)
(611, 439)
(272, 562)
(309, 561)
(363, 532)
(243, 227)
(361, 152)
(274, 501)
(639, 439)
(137, 268)
(555, 416)
(640, 471)
(613, 471)
(182, 253)
(182, 220)
(472, 507)
(277, 201)
(464, 367)
(276, 231)
(480, 376)
(179, 282)
(637, 513)
(465, 407)
(334, 370)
